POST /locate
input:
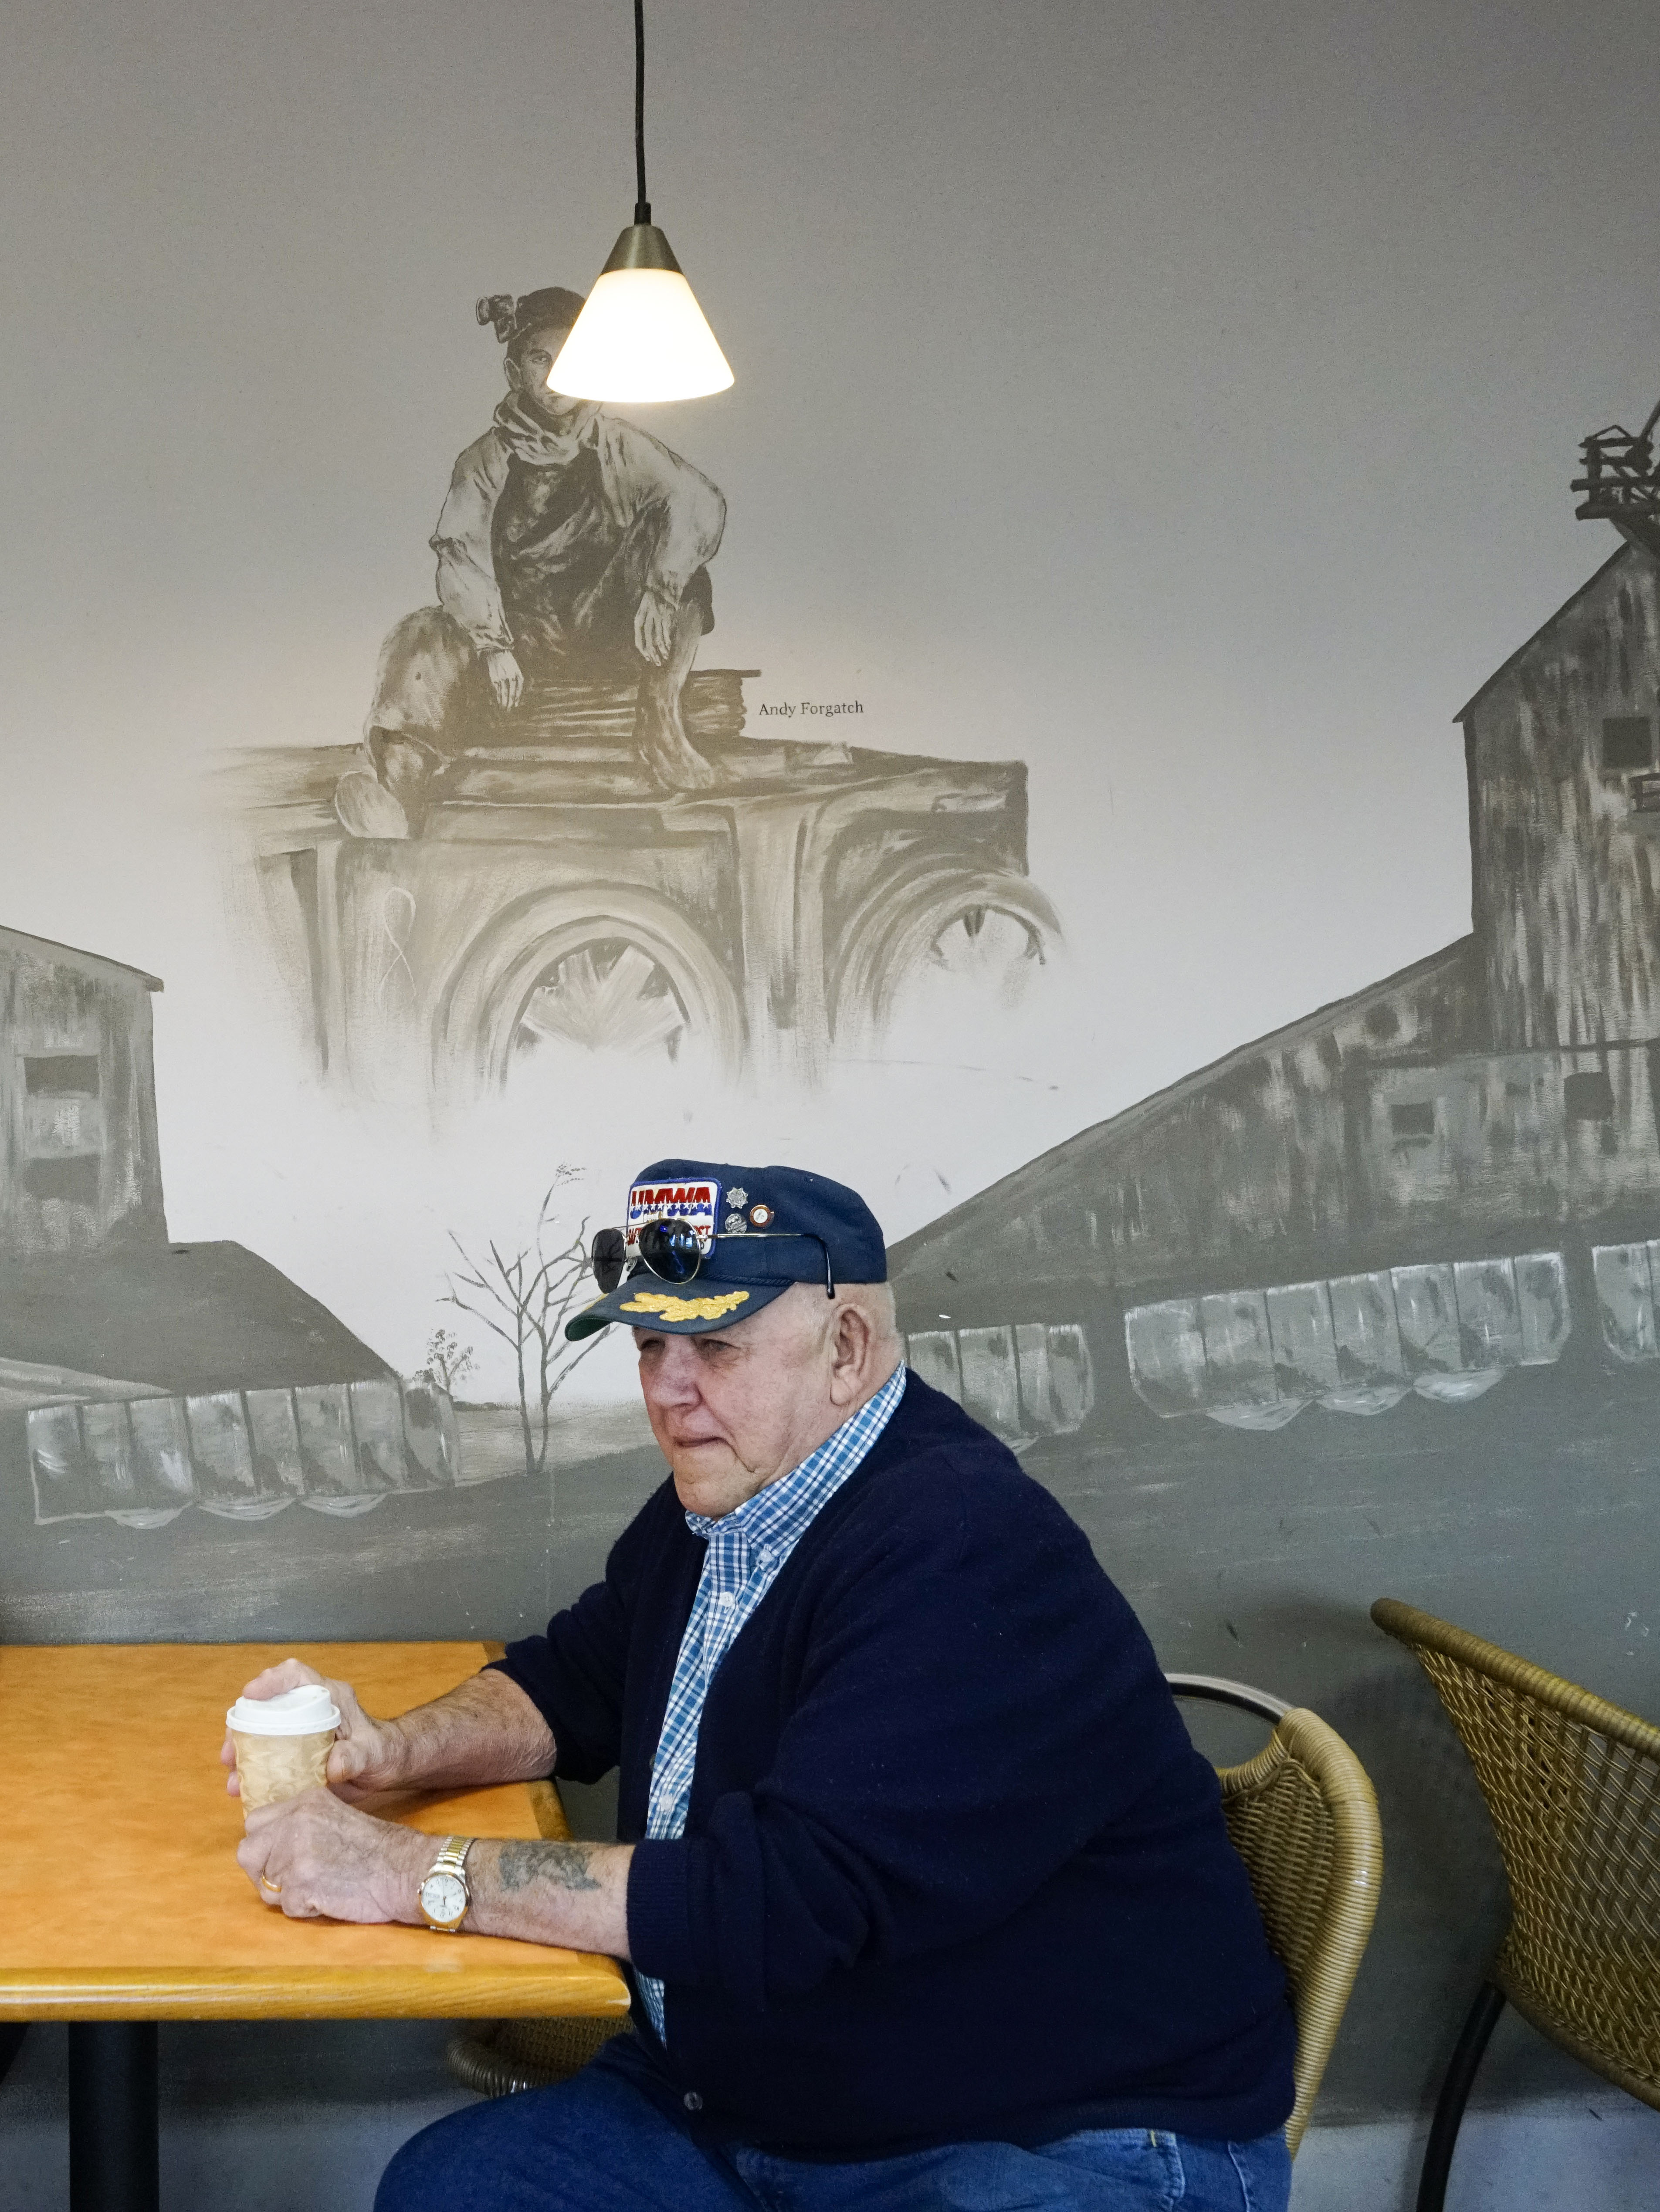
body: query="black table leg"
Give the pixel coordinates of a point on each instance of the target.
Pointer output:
(114, 2147)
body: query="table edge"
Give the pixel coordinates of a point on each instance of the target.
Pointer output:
(584, 1985)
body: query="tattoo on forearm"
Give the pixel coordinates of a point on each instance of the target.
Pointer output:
(556, 1866)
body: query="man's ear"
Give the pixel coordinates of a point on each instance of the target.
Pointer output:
(850, 1347)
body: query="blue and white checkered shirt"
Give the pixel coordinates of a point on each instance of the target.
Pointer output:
(748, 1548)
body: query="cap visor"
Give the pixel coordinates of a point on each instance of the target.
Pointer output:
(644, 1303)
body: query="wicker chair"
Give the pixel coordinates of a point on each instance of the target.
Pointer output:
(1302, 1817)
(1572, 1785)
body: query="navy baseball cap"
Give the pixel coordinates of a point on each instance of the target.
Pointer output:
(757, 1230)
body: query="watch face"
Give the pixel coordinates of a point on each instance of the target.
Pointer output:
(443, 1896)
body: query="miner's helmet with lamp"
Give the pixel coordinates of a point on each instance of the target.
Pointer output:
(705, 1243)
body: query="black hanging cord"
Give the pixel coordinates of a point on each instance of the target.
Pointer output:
(641, 204)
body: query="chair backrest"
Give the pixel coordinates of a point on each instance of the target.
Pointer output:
(1302, 1817)
(1572, 1786)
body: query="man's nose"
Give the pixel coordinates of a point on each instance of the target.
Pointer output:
(674, 1380)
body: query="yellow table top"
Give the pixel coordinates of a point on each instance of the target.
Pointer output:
(124, 1899)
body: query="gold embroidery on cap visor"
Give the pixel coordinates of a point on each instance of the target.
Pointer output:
(672, 1308)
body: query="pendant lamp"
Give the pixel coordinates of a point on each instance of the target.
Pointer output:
(642, 335)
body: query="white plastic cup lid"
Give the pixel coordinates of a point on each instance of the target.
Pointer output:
(308, 1710)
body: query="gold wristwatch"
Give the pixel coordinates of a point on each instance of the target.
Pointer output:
(444, 1896)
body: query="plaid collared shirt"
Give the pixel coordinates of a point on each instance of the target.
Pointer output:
(747, 1550)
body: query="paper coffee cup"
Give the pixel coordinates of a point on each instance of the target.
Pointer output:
(281, 1743)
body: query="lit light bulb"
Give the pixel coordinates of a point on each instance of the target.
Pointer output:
(642, 336)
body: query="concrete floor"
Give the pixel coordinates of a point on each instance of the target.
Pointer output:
(302, 2116)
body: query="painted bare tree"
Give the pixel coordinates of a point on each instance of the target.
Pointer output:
(525, 1297)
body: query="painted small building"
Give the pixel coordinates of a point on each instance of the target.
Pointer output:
(80, 1164)
(1563, 745)
(140, 1377)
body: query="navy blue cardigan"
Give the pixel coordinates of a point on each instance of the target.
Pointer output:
(951, 1869)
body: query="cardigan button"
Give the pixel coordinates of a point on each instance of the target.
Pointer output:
(692, 2101)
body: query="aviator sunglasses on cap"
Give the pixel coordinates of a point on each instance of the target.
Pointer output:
(671, 1250)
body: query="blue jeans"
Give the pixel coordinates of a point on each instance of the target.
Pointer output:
(599, 2143)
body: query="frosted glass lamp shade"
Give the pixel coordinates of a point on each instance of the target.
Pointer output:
(642, 335)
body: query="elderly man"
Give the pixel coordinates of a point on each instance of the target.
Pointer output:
(925, 1893)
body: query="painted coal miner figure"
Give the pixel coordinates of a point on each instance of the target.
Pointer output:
(572, 543)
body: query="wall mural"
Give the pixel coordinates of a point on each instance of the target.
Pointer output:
(1449, 1177)
(1391, 1274)
(556, 830)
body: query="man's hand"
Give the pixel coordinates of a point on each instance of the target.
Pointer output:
(484, 1730)
(365, 1756)
(312, 1858)
(654, 627)
(506, 678)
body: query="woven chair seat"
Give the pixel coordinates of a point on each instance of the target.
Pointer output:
(499, 2057)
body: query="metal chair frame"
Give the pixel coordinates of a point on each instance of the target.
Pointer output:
(1573, 1787)
(1218, 1690)
(1302, 1817)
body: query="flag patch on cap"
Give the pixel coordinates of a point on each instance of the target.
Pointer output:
(698, 1203)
